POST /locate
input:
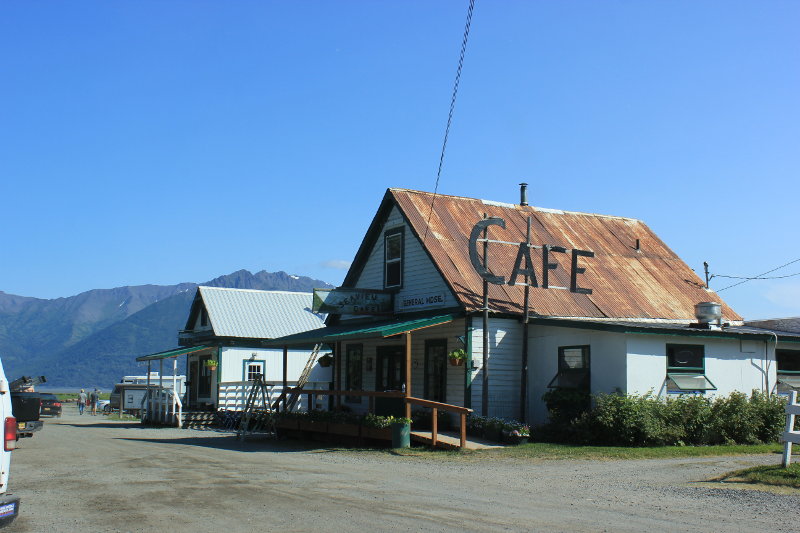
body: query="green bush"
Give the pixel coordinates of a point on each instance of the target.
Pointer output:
(630, 420)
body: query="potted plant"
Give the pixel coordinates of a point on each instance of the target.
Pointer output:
(457, 357)
(516, 432)
(325, 360)
(401, 432)
(211, 364)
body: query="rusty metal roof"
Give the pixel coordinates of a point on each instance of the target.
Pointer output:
(649, 283)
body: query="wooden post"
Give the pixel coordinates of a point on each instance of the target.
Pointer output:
(485, 361)
(338, 361)
(523, 400)
(148, 403)
(434, 426)
(408, 373)
(285, 375)
(463, 430)
(161, 390)
(791, 408)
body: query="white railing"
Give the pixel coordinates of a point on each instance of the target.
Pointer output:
(162, 406)
(233, 394)
(790, 436)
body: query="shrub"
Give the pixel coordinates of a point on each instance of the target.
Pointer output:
(630, 420)
(565, 405)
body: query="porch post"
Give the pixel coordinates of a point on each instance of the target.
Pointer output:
(161, 389)
(485, 361)
(285, 375)
(337, 372)
(408, 374)
(148, 396)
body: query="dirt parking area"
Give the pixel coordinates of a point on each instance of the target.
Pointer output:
(83, 473)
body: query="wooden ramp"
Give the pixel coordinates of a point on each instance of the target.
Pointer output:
(450, 440)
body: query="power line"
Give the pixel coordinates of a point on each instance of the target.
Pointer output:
(452, 108)
(748, 279)
(760, 275)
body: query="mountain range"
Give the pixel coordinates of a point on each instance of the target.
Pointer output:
(93, 338)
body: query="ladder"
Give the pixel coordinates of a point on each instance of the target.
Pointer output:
(257, 411)
(303, 379)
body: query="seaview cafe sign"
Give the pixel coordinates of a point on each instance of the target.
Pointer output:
(523, 265)
(352, 302)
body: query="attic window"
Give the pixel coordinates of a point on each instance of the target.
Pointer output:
(203, 318)
(393, 258)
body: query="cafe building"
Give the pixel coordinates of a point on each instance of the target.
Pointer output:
(460, 303)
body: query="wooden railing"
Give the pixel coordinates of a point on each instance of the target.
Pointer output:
(436, 407)
(409, 400)
(233, 394)
(161, 405)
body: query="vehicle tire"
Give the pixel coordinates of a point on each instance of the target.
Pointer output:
(107, 408)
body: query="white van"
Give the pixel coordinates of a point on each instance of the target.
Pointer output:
(9, 505)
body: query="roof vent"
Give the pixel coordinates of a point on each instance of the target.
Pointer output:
(523, 194)
(708, 313)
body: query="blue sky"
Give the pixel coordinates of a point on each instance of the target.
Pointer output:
(161, 142)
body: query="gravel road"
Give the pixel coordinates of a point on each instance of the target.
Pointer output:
(83, 473)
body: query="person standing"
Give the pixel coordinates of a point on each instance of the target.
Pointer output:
(93, 397)
(82, 401)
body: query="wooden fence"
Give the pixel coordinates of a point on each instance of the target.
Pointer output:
(790, 436)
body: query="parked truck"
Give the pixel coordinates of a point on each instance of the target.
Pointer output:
(26, 404)
(9, 504)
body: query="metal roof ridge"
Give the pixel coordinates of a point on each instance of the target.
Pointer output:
(510, 205)
(251, 290)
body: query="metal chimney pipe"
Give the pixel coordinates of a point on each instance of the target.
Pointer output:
(523, 194)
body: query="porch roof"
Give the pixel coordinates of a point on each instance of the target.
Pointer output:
(371, 330)
(170, 353)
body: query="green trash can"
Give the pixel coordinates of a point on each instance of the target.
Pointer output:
(401, 435)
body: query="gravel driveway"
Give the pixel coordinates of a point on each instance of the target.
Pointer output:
(83, 473)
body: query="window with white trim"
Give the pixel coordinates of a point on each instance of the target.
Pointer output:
(393, 258)
(254, 368)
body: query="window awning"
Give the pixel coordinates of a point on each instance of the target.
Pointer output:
(689, 382)
(791, 381)
(371, 330)
(171, 353)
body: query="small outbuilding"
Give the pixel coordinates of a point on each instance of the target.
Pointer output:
(224, 344)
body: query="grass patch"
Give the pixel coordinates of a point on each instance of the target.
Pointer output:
(774, 475)
(548, 451)
(74, 395)
(542, 450)
(125, 417)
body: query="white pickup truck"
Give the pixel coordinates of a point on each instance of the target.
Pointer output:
(9, 505)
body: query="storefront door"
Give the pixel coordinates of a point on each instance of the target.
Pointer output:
(389, 376)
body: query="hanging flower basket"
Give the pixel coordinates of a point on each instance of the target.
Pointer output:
(326, 360)
(457, 357)
(211, 364)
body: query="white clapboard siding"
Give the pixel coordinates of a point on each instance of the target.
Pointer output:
(420, 277)
(505, 367)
